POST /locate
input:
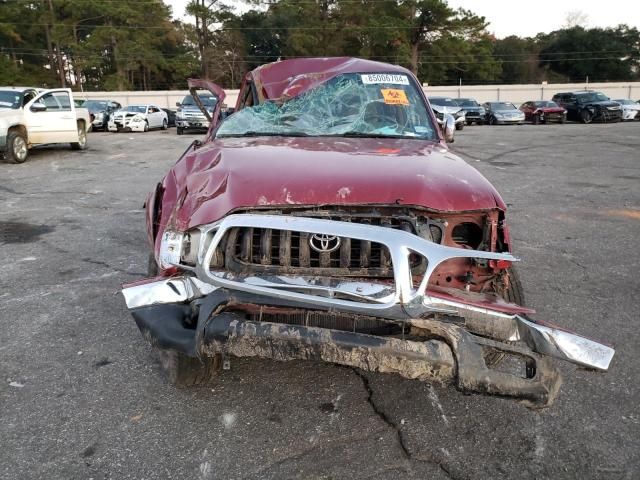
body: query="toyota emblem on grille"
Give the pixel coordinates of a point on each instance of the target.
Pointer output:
(323, 243)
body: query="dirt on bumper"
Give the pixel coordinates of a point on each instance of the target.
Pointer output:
(429, 350)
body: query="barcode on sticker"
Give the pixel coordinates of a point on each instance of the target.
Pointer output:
(374, 78)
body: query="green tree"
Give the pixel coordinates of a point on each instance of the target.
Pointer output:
(519, 60)
(609, 54)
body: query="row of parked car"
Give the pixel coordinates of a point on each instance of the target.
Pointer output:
(110, 115)
(583, 106)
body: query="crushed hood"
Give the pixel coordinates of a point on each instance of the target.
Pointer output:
(236, 173)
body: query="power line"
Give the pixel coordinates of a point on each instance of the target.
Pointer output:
(425, 60)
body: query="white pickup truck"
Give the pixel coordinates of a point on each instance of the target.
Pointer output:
(30, 117)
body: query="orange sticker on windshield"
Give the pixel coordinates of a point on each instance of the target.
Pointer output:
(394, 96)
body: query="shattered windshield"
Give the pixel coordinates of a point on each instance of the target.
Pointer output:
(9, 99)
(367, 105)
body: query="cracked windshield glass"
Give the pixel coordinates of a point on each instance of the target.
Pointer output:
(367, 105)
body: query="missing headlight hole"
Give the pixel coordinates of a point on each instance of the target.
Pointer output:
(468, 234)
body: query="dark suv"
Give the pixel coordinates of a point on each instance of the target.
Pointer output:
(588, 106)
(473, 110)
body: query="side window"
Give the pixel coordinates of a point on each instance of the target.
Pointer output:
(64, 101)
(50, 101)
(57, 102)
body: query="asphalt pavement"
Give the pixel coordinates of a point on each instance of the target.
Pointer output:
(81, 397)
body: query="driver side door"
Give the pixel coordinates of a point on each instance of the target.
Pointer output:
(56, 124)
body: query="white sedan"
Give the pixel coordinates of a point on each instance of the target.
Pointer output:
(630, 109)
(138, 118)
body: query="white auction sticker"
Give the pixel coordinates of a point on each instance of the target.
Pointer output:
(389, 78)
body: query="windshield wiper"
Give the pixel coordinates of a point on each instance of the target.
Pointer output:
(372, 135)
(252, 133)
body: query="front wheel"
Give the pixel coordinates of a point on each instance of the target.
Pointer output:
(493, 121)
(586, 116)
(17, 147)
(180, 130)
(165, 125)
(81, 144)
(146, 126)
(459, 126)
(536, 119)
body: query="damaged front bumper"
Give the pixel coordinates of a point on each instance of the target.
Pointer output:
(431, 336)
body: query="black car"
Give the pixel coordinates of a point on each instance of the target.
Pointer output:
(100, 112)
(474, 111)
(588, 106)
(171, 117)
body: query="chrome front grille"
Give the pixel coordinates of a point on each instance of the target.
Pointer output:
(285, 251)
(274, 251)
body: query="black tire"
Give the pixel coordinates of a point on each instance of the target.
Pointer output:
(184, 371)
(180, 130)
(165, 125)
(492, 120)
(459, 126)
(536, 120)
(586, 116)
(515, 292)
(17, 147)
(469, 123)
(480, 122)
(146, 126)
(81, 144)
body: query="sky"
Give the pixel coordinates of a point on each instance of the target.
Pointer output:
(526, 17)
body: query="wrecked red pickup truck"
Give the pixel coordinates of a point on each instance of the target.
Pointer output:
(325, 219)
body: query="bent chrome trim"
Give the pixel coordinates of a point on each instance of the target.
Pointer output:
(167, 290)
(541, 338)
(400, 244)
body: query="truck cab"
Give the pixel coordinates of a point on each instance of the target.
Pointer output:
(30, 117)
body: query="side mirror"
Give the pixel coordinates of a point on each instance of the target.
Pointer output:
(178, 104)
(449, 128)
(38, 107)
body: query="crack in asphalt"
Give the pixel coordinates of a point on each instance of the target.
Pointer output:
(383, 416)
(406, 453)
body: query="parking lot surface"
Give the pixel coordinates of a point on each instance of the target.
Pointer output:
(82, 397)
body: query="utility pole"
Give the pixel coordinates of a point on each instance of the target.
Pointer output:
(58, 52)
